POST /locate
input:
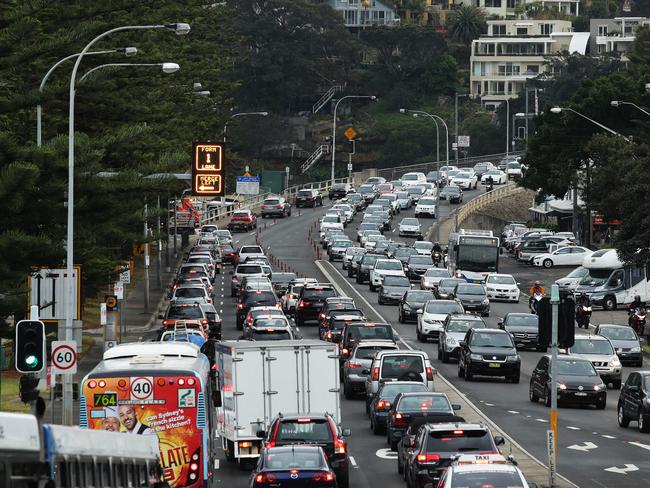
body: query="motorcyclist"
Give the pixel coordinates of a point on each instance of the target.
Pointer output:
(637, 303)
(582, 316)
(489, 183)
(436, 248)
(583, 300)
(537, 288)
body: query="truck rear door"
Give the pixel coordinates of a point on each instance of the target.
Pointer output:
(320, 381)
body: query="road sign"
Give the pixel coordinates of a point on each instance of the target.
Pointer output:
(64, 357)
(48, 290)
(463, 141)
(248, 185)
(111, 303)
(103, 316)
(118, 290)
(141, 388)
(350, 133)
(551, 456)
(125, 277)
(208, 169)
(349, 166)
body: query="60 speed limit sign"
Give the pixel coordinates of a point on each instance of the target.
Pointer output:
(64, 357)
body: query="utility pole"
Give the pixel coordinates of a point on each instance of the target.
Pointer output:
(159, 250)
(555, 303)
(456, 131)
(146, 259)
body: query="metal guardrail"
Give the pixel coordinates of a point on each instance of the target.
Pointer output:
(485, 199)
(254, 203)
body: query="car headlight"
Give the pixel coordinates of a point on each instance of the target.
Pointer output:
(489, 288)
(615, 363)
(600, 387)
(561, 386)
(486, 301)
(513, 359)
(429, 321)
(407, 306)
(476, 357)
(635, 349)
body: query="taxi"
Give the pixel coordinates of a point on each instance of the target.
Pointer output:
(492, 470)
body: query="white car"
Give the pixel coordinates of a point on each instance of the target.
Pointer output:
(413, 179)
(394, 201)
(426, 206)
(502, 287)
(573, 279)
(384, 267)
(432, 277)
(347, 211)
(367, 233)
(371, 241)
(423, 247)
(513, 170)
(432, 316)
(404, 200)
(465, 179)
(330, 222)
(498, 177)
(410, 227)
(565, 256)
(444, 170)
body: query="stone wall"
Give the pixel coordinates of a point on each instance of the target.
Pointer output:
(494, 215)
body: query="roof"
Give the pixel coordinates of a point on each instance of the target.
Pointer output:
(20, 432)
(456, 425)
(131, 349)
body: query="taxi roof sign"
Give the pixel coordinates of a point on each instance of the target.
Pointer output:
(487, 458)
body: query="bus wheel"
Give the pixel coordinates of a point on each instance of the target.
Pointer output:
(609, 303)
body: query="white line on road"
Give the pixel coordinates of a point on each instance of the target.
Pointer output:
(608, 436)
(353, 462)
(624, 470)
(514, 412)
(542, 420)
(572, 428)
(489, 404)
(641, 445)
(585, 447)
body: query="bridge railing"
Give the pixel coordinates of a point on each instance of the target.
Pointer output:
(485, 199)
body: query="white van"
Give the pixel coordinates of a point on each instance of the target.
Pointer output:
(413, 179)
(399, 365)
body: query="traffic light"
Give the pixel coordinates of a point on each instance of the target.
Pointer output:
(30, 346)
(28, 391)
(544, 319)
(566, 320)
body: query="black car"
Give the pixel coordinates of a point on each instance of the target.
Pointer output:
(339, 190)
(434, 447)
(625, 341)
(356, 201)
(336, 303)
(363, 331)
(392, 289)
(365, 265)
(368, 192)
(383, 401)
(214, 321)
(524, 328)
(473, 297)
(332, 327)
(634, 401)
(417, 265)
(411, 302)
(452, 193)
(253, 298)
(404, 254)
(488, 352)
(577, 380)
(446, 287)
(409, 407)
(308, 198)
(314, 429)
(354, 265)
(280, 282)
(311, 301)
(276, 467)
(454, 330)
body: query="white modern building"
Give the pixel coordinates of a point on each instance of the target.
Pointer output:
(365, 13)
(614, 35)
(514, 51)
(507, 8)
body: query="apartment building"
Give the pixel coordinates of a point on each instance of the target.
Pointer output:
(514, 51)
(507, 8)
(614, 35)
(364, 13)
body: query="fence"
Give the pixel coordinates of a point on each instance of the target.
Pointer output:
(485, 199)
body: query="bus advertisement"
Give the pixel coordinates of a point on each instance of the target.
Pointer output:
(473, 256)
(166, 400)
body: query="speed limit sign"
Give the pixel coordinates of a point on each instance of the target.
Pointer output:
(64, 357)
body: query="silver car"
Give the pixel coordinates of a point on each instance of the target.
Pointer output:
(432, 277)
(602, 355)
(190, 294)
(357, 368)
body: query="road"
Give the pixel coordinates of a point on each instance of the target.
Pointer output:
(592, 449)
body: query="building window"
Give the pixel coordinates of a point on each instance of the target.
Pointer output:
(508, 69)
(546, 29)
(512, 3)
(600, 48)
(522, 31)
(500, 88)
(350, 17)
(493, 3)
(532, 69)
(498, 29)
(602, 30)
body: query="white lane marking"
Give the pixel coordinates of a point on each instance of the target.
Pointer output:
(542, 420)
(514, 412)
(216, 464)
(608, 436)
(572, 428)
(641, 445)
(628, 468)
(489, 404)
(386, 454)
(585, 447)
(321, 267)
(353, 462)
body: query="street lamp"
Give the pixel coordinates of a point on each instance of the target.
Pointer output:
(179, 29)
(167, 68)
(507, 127)
(558, 110)
(336, 106)
(241, 114)
(128, 51)
(618, 103)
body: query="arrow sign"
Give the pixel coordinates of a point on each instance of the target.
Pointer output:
(588, 446)
(627, 469)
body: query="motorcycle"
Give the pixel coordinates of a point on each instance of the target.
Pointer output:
(437, 258)
(489, 186)
(583, 316)
(534, 302)
(637, 320)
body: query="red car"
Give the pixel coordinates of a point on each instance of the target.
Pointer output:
(242, 220)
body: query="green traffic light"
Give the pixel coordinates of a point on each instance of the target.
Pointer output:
(31, 361)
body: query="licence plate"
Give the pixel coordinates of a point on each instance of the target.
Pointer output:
(581, 393)
(501, 295)
(494, 365)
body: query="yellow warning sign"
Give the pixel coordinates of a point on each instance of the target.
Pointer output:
(350, 133)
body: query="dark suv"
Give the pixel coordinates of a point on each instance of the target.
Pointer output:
(524, 329)
(354, 332)
(365, 265)
(315, 429)
(339, 190)
(488, 352)
(312, 301)
(308, 198)
(253, 298)
(634, 403)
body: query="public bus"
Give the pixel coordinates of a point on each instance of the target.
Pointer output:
(161, 389)
(33, 456)
(473, 254)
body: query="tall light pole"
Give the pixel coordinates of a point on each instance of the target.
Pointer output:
(241, 114)
(336, 106)
(128, 51)
(558, 110)
(415, 114)
(180, 29)
(167, 68)
(618, 103)
(507, 127)
(458, 95)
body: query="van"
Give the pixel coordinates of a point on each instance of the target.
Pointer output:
(413, 179)
(399, 366)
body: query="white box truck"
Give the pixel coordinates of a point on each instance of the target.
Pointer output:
(259, 379)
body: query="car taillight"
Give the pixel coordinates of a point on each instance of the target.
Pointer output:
(278, 206)
(400, 421)
(240, 306)
(429, 373)
(234, 278)
(339, 446)
(375, 374)
(322, 477)
(166, 322)
(321, 315)
(266, 478)
(204, 322)
(209, 300)
(302, 304)
(329, 334)
(428, 458)
(352, 364)
(382, 405)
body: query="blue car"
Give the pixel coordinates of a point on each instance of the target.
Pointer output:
(292, 466)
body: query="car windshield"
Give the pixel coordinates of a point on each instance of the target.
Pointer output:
(526, 320)
(424, 403)
(459, 441)
(424, 245)
(420, 260)
(368, 226)
(402, 252)
(493, 173)
(271, 201)
(490, 339)
(321, 293)
(579, 272)
(618, 333)
(189, 293)
(330, 219)
(489, 478)
(366, 189)
(389, 265)
(575, 368)
(436, 273)
(470, 290)
(501, 280)
(391, 391)
(513, 166)
(271, 322)
(402, 195)
(416, 190)
(222, 233)
(439, 307)
(304, 193)
(402, 281)
(339, 186)
(371, 332)
(427, 201)
(249, 269)
(410, 222)
(588, 346)
(342, 244)
(409, 177)
(463, 175)
(305, 430)
(369, 260)
(184, 313)
(418, 296)
(376, 238)
(283, 277)
(450, 283)
(240, 214)
(463, 325)
(452, 189)
(367, 352)
(398, 365)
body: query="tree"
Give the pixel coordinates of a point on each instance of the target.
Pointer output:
(466, 23)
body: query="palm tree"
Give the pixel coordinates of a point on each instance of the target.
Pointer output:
(466, 23)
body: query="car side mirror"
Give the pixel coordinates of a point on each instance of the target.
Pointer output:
(499, 440)
(261, 434)
(231, 272)
(455, 406)
(462, 343)
(419, 311)
(347, 432)
(161, 316)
